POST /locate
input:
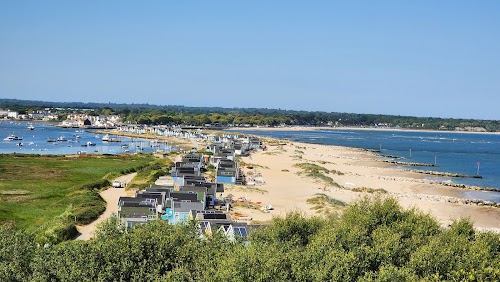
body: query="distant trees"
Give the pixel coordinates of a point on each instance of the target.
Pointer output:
(373, 240)
(277, 117)
(199, 116)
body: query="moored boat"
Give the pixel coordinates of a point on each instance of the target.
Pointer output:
(12, 137)
(107, 138)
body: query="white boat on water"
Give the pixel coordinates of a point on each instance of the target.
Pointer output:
(31, 127)
(62, 138)
(12, 137)
(106, 138)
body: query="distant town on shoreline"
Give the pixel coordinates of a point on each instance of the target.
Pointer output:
(111, 115)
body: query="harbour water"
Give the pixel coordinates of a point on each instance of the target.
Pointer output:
(462, 153)
(43, 139)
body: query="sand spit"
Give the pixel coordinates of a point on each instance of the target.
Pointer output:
(274, 174)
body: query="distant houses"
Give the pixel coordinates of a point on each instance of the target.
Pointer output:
(44, 115)
(90, 121)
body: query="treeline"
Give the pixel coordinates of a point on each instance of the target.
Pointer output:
(266, 117)
(200, 116)
(373, 240)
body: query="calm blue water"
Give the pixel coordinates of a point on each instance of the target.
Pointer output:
(453, 152)
(35, 141)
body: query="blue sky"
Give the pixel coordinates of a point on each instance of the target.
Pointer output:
(422, 58)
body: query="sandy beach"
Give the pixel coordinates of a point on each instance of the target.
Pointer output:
(282, 187)
(359, 174)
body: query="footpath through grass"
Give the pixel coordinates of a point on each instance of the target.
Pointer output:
(38, 191)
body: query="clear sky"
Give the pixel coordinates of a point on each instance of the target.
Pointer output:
(424, 58)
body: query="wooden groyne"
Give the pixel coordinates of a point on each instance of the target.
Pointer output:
(445, 174)
(407, 163)
(392, 156)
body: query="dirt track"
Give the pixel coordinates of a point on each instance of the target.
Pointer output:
(111, 196)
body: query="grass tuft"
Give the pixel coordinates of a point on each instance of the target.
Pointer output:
(325, 204)
(316, 172)
(369, 190)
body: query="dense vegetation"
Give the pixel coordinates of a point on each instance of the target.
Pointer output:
(155, 114)
(373, 240)
(48, 195)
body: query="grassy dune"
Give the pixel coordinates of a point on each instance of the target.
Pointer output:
(37, 189)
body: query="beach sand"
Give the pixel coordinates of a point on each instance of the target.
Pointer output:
(287, 191)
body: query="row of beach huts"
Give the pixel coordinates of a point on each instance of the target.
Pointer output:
(186, 194)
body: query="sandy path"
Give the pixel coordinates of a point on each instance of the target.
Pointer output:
(111, 196)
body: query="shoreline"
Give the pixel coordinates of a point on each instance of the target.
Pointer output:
(395, 162)
(324, 128)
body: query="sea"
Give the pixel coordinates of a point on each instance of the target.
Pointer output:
(78, 141)
(462, 153)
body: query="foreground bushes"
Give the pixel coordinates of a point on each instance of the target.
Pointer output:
(374, 240)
